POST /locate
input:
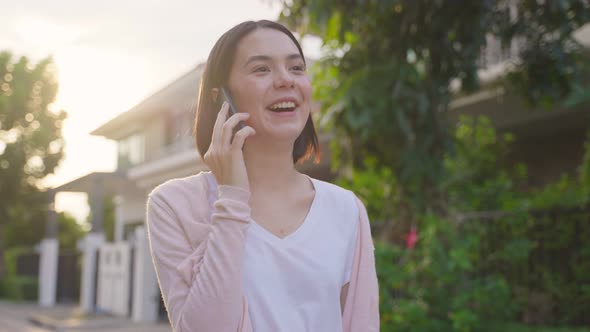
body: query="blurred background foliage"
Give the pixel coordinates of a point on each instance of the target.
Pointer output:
(388, 67)
(492, 253)
(31, 146)
(522, 257)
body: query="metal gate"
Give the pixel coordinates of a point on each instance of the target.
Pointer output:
(68, 277)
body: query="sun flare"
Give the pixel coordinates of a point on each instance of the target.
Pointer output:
(94, 86)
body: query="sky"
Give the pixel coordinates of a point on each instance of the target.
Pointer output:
(112, 54)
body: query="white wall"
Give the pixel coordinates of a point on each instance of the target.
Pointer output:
(128, 209)
(133, 208)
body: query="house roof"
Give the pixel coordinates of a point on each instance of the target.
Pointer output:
(109, 183)
(180, 94)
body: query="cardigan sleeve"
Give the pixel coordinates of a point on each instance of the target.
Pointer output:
(361, 310)
(201, 282)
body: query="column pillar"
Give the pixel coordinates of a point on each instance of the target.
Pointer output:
(96, 200)
(88, 282)
(49, 256)
(146, 295)
(119, 226)
(91, 244)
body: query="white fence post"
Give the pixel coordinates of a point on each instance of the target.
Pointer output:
(88, 284)
(48, 259)
(146, 295)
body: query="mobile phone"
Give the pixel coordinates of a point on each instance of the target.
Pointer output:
(232, 107)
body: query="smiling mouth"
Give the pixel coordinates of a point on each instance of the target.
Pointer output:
(282, 107)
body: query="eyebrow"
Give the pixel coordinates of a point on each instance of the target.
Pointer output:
(268, 58)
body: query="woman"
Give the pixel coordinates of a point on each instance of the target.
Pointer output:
(254, 245)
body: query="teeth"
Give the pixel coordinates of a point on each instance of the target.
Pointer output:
(285, 104)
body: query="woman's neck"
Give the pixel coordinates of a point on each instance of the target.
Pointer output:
(270, 167)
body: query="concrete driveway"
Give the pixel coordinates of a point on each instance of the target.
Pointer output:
(30, 317)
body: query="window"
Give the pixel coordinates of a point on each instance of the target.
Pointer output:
(178, 126)
(131, 150)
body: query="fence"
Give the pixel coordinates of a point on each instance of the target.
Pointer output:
(68, 275)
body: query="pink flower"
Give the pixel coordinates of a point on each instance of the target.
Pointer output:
(411, 238)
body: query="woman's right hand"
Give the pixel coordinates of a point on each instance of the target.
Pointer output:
(225, 157)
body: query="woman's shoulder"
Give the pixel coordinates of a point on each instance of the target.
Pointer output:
(190, 188)
(336, 194)
(180, 206)
(332, 189)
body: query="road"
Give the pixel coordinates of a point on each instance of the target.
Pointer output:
(14, 318)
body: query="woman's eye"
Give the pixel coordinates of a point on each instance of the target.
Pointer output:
(261, 69)
(298, 68)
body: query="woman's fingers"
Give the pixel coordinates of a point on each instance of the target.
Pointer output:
(224, 157)
(230, 125)
(218, 127)
(240, 138)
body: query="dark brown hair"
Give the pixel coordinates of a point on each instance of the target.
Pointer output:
(216, 75)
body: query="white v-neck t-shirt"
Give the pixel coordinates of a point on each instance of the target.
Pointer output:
(294, 283)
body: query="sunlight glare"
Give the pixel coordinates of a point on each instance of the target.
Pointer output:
(95, 86)
(42, 34)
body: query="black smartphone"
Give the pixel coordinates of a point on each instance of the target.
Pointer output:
(232, 107)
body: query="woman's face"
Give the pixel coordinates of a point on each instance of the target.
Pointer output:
(268, 79)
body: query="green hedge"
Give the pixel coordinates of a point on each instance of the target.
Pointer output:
(18, 288)
(524, 328)
(12, 254)
(14, 287)
(436, 286)
(492, 254)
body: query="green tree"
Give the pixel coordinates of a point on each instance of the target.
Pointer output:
(26, 226)
(108, 223)
(31, 143)
(385, 79)
(69, 231)
(28, 231)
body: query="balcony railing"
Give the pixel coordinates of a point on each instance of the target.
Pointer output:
(494, 54)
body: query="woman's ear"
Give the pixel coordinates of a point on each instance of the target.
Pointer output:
(214, 94)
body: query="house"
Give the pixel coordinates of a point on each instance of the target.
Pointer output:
(549, 142)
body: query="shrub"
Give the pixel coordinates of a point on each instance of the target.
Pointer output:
(18, 288)
(495, 254)
(436, 286)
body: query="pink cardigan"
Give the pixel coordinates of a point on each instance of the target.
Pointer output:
(197, 253)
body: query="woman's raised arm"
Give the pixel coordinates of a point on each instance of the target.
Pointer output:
(200, 274)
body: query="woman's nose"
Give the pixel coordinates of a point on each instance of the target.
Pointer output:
(284, 79)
